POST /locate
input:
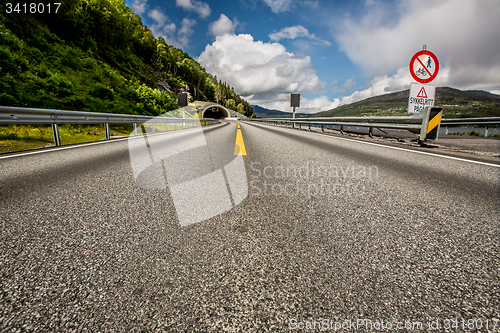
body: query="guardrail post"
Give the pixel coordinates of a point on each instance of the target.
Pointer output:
(370, 132)
(431, 122)
(166, 127)
(106, 131)
(300, 126)
(446, 131)
(135, 129)
(309, 127)
(486, 131)
(175, 126)
(153, 127)
(342, 129)
(55, 132)
(322, 128)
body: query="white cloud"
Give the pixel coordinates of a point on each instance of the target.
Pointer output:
(168, 30)
(222, 26)
(381, 85)
(185, 32)
(202, 8)
(294, 32)
(290, 33)
(278, 6)
(159, 18)
(312, 4)
(265, 73)
(321, 103)
(140, 6)
(462, 33)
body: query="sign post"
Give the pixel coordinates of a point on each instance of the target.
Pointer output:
(294, 102)
(182, 101)
(424, 67)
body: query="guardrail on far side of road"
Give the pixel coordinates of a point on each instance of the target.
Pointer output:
(425, 124)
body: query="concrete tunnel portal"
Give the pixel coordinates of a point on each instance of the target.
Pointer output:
(215, 111)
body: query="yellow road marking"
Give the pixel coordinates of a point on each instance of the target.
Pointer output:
(433, 122)
(239, 147)
(238, 125)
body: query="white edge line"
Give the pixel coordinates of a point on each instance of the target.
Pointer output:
(84, 144)
(404, 149)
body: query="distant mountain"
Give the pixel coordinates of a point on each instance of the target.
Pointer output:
(268, 113)
(483, 93)
(456, 104)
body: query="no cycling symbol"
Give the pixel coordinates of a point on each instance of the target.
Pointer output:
(424, 66)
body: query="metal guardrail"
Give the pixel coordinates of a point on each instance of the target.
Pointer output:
(417, 123)
(29, 116)
(482, 122)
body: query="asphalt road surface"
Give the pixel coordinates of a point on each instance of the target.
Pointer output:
(323, 232)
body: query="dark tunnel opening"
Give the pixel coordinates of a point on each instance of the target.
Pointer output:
(216, 113)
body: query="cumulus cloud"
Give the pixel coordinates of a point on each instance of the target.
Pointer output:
(139, 6)
(294, 32)
(462, 33)
(278, 6)
(185, 32)
(168, 30)
(202, 8)
(160, 20)
(265, 73)
(222, 26)
(290, 32)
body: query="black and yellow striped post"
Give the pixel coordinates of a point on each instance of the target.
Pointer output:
(431, 123)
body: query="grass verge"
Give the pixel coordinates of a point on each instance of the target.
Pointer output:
(15, 138)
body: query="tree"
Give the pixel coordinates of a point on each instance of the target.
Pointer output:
(241, 108)
(230, 104)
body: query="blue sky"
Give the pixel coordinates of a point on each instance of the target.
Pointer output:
(331, 52)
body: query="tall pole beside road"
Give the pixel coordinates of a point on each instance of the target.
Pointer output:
(182, 101)
(294, 102)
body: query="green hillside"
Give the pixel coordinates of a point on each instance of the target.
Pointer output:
(96, 55)
(456, 104)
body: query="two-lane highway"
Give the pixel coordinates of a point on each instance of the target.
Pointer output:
(314, 230)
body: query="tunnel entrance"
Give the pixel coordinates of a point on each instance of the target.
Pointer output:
(216, 113)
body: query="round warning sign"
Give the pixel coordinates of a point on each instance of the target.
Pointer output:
(424, 66)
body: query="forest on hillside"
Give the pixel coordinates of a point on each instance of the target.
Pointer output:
(96, 55)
